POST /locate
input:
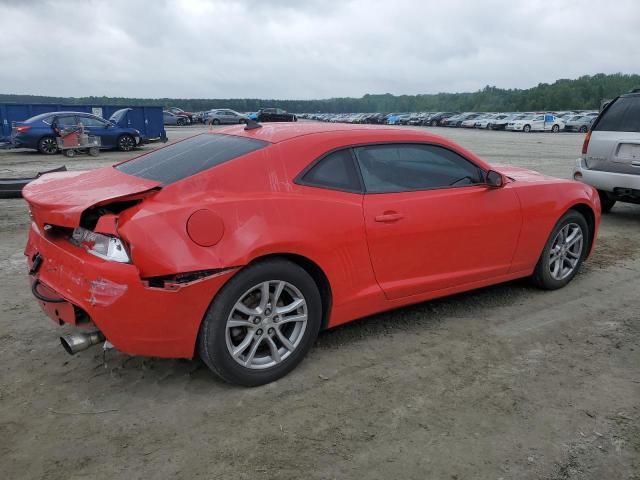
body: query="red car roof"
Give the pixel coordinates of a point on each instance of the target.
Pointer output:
(279, 132)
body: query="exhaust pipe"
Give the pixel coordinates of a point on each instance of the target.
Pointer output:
(77, 342)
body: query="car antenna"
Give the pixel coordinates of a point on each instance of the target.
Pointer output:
(252, 124)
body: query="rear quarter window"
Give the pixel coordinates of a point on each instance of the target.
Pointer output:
(189, 157)
(623, 115)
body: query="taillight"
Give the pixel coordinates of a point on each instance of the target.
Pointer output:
(103, 246)
(585, 144)
(23, 129)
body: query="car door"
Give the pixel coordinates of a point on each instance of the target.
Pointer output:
(99, 128)
(538, 123)
(431, 222)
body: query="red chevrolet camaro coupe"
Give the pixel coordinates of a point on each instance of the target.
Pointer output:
(240, 245)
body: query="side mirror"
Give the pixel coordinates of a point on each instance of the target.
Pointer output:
(494, 179)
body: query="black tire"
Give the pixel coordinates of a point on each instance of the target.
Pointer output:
(583, 129)
(606, 201)
(48, 145)
(555, 129)
(212, 343)
(180, 122)
(542, 277)
(526, 128)
(215, 121)
(70, 153)
(434, 123)
(126, 143)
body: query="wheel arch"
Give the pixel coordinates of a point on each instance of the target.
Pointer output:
(587, 212)
(316, 273)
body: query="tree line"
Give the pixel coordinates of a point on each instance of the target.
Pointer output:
(586, 92)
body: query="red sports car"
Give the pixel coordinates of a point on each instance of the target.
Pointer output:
(240, 245)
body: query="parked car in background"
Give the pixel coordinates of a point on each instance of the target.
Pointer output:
(502, 123)
(578, 123)
(243, 270)
(456, 120)
(39, 132)
(438, 118)
(490, 120)
(545, 122)
(170, 118)
(225, 116)
(181, 113)
(275, 115)
(610, 158)
(472, 121)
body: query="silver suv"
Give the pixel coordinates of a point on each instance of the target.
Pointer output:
(225, 116)
(611, 152)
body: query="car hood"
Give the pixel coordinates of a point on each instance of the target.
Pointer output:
(119, 116)
(61, 198)
(524, 175)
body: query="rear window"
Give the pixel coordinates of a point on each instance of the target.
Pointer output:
(621, 116)
(191, 156)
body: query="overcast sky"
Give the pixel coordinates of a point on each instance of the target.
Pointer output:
(307, 49)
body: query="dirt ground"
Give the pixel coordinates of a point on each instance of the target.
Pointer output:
(506, 382)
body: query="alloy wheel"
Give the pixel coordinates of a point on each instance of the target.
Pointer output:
(566, 251)
(266, 324)
(48, 145)
(126, 143)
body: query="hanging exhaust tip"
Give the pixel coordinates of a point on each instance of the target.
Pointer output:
(77, 342)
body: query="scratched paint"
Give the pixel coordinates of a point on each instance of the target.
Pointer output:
(103, 292)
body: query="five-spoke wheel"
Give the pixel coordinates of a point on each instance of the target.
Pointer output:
(266, 324)
(261, 323)
(564, 252)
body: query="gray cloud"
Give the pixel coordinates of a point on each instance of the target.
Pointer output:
(307, 49)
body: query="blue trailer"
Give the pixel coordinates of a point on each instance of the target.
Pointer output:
(148, 120)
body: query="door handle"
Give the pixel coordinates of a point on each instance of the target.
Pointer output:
(389, 217)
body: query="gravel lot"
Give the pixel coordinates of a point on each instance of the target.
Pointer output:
(506, 382)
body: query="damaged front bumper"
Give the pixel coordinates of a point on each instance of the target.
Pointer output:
(137, 316)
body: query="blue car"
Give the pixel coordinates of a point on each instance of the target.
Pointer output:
(39, 132)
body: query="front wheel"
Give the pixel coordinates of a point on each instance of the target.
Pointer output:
(583, 129)
(564, 252)
(180, 122)
(126, 143)
(526, 129)
(215, 121)
(261, 324)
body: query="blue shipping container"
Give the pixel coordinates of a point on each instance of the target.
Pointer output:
(148, 120)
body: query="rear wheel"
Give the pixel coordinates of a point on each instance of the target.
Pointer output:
(69, 153)
(563, 253)
(261, 324)
(48, 145)
(126, 143)
(583, 129)
(526, 129)
(555, 128)
(606, 202)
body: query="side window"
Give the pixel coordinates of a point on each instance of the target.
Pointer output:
(622, 116)
(66, 122)
(336, 171)
(90, 122)
(407, 167)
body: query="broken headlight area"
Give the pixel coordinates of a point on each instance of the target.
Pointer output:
(103, 246)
